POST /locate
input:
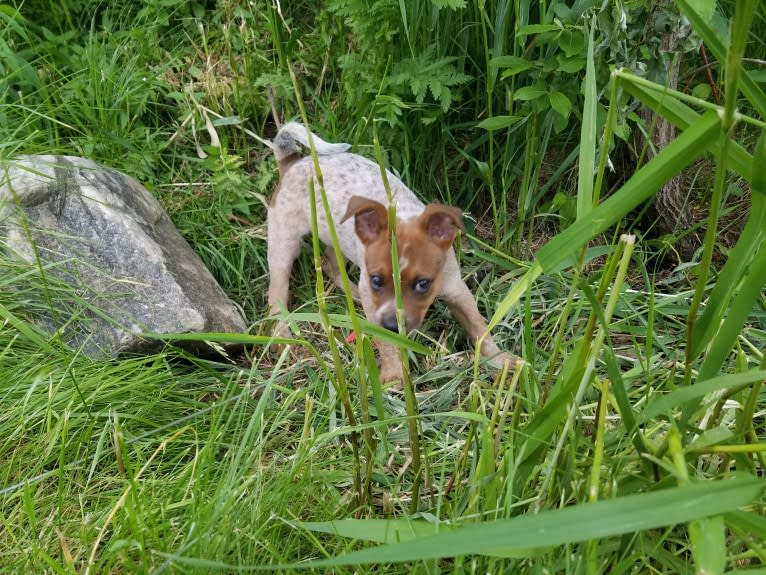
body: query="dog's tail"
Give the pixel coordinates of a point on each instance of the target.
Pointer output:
(293, 133)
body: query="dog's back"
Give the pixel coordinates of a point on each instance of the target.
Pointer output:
(344, 174)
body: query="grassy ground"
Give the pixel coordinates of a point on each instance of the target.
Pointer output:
(630, 442)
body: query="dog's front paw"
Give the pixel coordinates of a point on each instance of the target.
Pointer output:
(390, 365)
(504, 358)
(390, 374)
(281, 330)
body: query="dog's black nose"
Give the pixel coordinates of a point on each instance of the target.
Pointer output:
(390, 323)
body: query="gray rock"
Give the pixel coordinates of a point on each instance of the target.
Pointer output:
(126, 268)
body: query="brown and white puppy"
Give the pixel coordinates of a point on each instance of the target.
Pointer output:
(428, 267)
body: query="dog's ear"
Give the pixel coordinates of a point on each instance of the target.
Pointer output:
(441, 224)
(370, 218)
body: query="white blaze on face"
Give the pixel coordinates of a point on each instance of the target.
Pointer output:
(404, 261)
(384, 311)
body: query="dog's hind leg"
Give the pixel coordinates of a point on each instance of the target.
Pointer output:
(284, 245)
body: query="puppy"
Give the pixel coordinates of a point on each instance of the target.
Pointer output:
(428, 267)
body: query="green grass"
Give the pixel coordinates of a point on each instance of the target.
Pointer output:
(632, 441)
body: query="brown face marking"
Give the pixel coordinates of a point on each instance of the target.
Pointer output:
(422, 242)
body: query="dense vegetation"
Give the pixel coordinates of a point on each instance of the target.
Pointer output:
(632, 440)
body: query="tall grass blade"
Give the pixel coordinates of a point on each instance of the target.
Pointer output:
(749, 291)
(738, 265)
(666, 403)
(682, 116)
(30, 332)
(643, 185)
(629, 514)
(752, 91)
(587, 162)
(410, 399)
(741, 27)
(741, 260)
(361, 481)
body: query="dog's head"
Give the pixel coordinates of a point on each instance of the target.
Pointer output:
(422, 243)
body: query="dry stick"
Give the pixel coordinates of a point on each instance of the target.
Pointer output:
(711, 82)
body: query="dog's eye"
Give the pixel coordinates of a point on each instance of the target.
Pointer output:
(376, 281)
(422, 286)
